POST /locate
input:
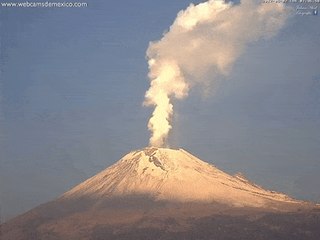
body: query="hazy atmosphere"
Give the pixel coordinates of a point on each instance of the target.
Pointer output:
(73, 84)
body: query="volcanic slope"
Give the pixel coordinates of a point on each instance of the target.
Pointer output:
(159, 193)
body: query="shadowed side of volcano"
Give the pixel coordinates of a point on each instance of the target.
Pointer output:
(139, 217)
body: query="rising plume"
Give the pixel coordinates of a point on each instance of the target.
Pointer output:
(204, 38)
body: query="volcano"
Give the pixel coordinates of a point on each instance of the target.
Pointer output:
(159, 193)
(175, 175)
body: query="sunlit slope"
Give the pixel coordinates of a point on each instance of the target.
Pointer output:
(175, 175)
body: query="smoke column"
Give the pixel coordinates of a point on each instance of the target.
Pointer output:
(206, 37)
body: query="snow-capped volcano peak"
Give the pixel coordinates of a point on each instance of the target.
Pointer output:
(158, 190)
(174, 175)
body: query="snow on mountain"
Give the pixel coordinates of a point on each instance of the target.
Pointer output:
(158, 193)
(175, 175)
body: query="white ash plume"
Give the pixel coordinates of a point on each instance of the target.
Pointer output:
(206, 37)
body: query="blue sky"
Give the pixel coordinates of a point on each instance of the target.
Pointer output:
(73, 82)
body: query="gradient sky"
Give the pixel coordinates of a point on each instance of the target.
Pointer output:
(73, 81)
